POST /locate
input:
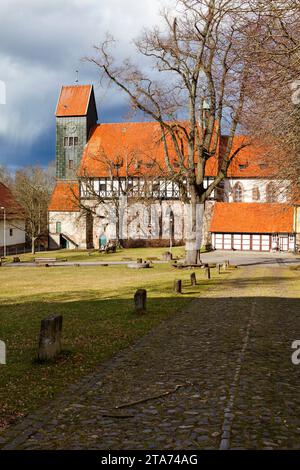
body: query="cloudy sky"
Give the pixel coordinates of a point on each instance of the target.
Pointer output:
(42, 43)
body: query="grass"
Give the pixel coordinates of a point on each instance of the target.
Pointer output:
(94, 255)
(97, 308)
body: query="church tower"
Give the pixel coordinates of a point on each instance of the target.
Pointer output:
(76, 115)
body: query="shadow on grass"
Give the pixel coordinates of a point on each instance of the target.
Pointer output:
(95, 330)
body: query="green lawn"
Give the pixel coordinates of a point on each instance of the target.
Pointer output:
(94, 255)
(97, 307)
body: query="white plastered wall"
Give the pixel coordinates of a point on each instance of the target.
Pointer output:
(17, 236)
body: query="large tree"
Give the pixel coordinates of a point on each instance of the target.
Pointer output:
(274, 112)
(32, 188)
(196, 92)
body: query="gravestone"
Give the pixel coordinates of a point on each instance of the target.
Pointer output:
(193, 279)
(178, 286)
(2, 353)
(167, 256)
(50, 338)
(140, 301)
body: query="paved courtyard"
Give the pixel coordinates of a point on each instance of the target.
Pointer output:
(217, 375)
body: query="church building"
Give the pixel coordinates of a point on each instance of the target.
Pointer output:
(109, 189)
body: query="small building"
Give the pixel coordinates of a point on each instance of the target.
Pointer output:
(12, 222)
(65, 224)
(253, 227)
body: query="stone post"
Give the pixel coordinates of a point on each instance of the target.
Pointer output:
(140, 301)
(219, 268)
(178, 286)
(167, 256)
(50, 338)
(193, 279)
(207, 273)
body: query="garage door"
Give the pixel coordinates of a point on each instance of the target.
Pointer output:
(218, 241)
(246, 242)
(241, 242)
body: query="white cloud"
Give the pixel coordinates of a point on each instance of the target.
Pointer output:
(42, 43)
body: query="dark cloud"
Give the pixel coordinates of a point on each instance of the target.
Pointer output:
(42, 44)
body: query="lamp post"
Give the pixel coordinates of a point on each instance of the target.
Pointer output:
(4, 231)
(171, 230)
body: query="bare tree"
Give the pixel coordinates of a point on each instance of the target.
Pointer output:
(32, 190)
(5, 176)
(198, 89)
(121, 178)
(274, 112)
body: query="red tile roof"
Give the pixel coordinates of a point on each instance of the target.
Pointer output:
(252, 161)
(237, 217)
(12, 208)
(132, 142)
(64, 197)
(141, 141)
(74, 100)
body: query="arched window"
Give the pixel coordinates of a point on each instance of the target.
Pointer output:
(255, 194)
(238, 193)
(271, 194)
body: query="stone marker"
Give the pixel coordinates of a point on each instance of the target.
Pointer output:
(219, 268)
(207, 273)
(140, 301)
(50, 338)
(167, 256)
(193, 279)
(178, 286)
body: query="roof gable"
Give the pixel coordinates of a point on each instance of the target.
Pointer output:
(64, 197)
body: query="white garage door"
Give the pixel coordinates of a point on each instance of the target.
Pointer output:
(237, 241)
(218, 241)
(244, 242)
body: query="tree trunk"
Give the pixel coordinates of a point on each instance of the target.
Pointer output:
(195, 212)
(33, 245)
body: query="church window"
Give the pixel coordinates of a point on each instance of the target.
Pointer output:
(102, 186)
(238, 193)
(66, 142)
(71, 164)
(255, 194)
(11, 232)
(75, 141)
(71, 141)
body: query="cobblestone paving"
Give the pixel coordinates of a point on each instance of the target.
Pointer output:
(224, 365)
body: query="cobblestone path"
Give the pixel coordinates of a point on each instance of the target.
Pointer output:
(222, 370)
